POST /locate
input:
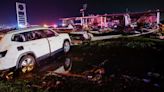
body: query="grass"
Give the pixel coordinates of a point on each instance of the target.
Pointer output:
(14, 86)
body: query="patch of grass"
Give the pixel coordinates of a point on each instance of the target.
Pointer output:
(14, 86)
(135, 42)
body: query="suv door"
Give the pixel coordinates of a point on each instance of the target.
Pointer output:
(56, 43)
(36, 42)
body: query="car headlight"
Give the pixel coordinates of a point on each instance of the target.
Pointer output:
(2, 54)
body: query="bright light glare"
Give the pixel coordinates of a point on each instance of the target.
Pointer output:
(45, 25)
(55, 26)
(21, 26)
(63, 24)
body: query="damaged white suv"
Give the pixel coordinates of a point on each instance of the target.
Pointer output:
(23, 48)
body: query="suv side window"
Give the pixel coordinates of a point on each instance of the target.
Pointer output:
(38, 34)
(49, 33)
(19, 38)
(29, 36)
(34, 35)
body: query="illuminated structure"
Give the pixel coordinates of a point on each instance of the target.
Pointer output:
(21, 14)
(150, 18)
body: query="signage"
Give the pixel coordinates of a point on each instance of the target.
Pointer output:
(21, 14)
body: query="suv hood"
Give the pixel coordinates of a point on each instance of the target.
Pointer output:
(64, 35)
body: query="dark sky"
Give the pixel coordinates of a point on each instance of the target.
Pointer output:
(48, 11)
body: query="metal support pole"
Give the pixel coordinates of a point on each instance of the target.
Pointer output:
(158, 16)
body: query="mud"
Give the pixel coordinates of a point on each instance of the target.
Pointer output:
(121, 65)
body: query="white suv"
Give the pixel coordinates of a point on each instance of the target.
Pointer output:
(23, 48)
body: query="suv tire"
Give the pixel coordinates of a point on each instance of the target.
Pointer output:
(66, 46)
(27, 64)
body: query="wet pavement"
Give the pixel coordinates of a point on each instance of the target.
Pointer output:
(115, 66)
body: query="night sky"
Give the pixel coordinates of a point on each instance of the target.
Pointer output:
(48, 11)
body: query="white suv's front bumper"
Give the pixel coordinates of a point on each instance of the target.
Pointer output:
(6, 63)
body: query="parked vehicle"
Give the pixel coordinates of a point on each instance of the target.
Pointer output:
(23, 48)
(77, 37)
(80, 37)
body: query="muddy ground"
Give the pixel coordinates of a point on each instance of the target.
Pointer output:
(118, 65)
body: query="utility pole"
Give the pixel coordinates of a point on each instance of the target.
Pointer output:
(82, 11)
(158, 16)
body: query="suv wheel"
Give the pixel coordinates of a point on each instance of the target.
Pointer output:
(66, 46)
(27, 64)
(67, 64)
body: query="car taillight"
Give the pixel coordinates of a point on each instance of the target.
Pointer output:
(2, 54)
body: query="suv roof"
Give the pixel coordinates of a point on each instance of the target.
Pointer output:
(27, 29)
